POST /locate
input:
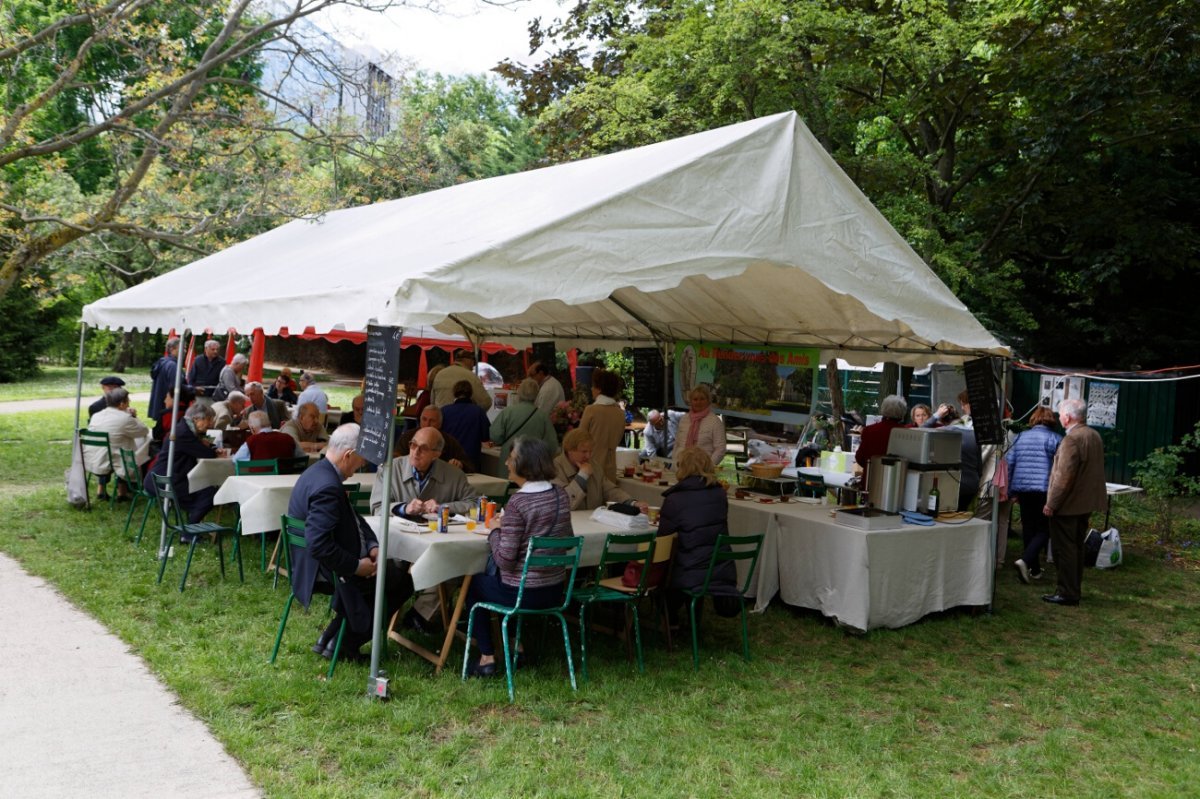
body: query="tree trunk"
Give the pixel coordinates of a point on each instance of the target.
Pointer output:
(833, 378)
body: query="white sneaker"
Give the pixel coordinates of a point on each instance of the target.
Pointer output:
(1022, 571)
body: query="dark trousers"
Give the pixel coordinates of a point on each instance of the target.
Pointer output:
(1067, 534)
(489, 588)
(1035, 528)
(198, 504)
(397, 589)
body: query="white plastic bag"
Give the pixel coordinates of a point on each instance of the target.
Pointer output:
(75, 478)
(1110, 549)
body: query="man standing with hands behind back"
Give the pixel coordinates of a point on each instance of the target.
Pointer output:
(1076, 489)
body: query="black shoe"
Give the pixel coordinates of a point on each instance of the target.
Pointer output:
(102, 497)
(523, 660)
(417, 623)
(1059, 599)
(477, 669)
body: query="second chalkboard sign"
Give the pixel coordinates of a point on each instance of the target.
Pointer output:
(379, 392)
(648, 388)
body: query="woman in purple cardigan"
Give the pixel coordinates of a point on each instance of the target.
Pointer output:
(539, 508)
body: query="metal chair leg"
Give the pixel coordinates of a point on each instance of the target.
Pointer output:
(287, 609)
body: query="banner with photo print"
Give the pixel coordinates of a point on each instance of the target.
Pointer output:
(768, 383)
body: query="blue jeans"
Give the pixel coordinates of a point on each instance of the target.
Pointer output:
(489, 588)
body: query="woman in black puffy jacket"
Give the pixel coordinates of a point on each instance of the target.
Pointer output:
(697, 510)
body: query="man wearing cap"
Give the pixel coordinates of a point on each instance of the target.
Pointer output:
(205, 372)
(163, 375)
(107, 384)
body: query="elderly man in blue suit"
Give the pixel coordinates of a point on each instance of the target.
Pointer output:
(340, 543)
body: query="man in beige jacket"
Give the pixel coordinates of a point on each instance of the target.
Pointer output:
(1076, 489)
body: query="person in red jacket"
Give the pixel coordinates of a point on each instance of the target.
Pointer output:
(875, 436)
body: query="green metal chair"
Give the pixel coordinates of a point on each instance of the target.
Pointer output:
(725, 550)
(292, 535)
(664, 554)
(543, 553)
(172, 515)
(264, 466)
(360, 501)
(132, 480)
(619, 548)
(89, 438)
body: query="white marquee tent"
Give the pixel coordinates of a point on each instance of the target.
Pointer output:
(749, 233)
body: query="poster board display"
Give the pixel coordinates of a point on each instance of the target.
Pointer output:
(379, 392)
(1102, 404)
(768, 383)
(1056, 388)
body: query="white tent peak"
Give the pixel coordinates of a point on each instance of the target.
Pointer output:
(748, 233)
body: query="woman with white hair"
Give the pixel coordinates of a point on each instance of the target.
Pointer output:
(522, 416)
(875, 437)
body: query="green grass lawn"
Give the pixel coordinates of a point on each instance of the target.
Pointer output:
(1096, 701)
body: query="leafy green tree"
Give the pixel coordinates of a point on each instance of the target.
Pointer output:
(101, 94)
(1041, 157)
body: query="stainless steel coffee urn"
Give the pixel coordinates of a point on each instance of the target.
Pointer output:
(885, 482)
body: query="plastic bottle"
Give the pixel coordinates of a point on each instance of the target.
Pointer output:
(935, 499)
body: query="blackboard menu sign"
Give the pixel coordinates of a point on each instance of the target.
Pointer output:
(544, 351)
(648, 378)
(985, 402)
(379, 392)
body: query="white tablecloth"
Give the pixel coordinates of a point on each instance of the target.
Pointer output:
(438, 557)
(215, 471)
(263, 498)
(864, 580)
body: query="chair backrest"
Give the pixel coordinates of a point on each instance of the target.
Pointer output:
(664, 547)
(360, 501)
(292, 530)
(724, 550)
(92, 438)
(293, 465)
(168, 504)
(552, 553)
(270, 466)
(629, 547)
(130, 466)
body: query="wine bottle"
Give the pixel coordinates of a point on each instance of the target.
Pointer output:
(935, 498)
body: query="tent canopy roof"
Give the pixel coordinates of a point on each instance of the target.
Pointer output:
(747, 234)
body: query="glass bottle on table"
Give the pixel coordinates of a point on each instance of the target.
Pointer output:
(934, 501)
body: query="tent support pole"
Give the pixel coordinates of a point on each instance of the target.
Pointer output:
(79, 402)
(995, 523)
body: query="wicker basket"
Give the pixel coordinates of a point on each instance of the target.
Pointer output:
(766, 470)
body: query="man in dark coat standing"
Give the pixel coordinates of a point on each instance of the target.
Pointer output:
(342, 551)
(163, 373)
(1076, 489)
